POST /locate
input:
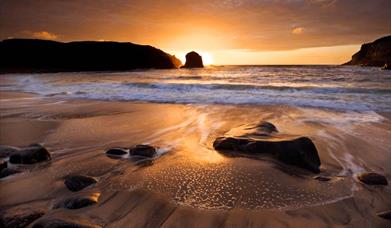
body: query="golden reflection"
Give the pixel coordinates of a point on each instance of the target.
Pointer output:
(200, 153)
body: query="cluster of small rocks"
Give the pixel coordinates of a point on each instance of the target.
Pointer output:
(141, 155)
(22, 216)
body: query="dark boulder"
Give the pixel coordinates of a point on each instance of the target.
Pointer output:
(263, 139)
(193, 60)
(7, 172)
(20, 217)
(116, 152)
(143, 150)
(3, 165)
(385, 214)
(63, 223)
(30, 155)
(77, 202)
(6, 151)
(78, 182)
(376, 53)
(372, 179)
(299, 152)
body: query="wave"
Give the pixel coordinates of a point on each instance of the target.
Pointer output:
(355, 89)
(312, 89)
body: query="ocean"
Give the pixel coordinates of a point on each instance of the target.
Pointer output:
(325, 86)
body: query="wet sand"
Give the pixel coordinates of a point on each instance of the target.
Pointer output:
(190, 184)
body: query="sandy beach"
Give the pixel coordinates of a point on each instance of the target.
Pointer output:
(204, 114)
(189, 184)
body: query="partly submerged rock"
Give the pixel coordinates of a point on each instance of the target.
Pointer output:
(79, 201)
(63, 223)
(258, 140)
(20, 217)
(6, 151)
(78, 182)
(299, 152)
(372, 179)
(193, 60)
(30, 155)
(143, 150)
(385, 214)
(7, 172)
(116, 152)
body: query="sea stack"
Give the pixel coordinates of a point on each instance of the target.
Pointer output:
(193, 60)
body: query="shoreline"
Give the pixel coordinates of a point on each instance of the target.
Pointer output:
(189, 178)
(32, 95)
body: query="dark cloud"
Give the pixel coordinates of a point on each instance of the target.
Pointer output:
(227, 24)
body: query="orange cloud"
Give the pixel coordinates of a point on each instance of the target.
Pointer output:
(45, 35)
(298, 30)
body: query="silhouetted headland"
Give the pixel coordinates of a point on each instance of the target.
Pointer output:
(377, 53)
(30, 55)
(193, 60)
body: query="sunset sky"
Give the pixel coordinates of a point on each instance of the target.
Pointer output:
(225, 31)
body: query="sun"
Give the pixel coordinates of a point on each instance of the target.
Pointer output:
(207, 58)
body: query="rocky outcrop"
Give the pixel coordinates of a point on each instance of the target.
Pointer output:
(377, 53)
(193, 60)
(78, 182)
(30, 155)
(19, 217)
(262, 139)
(28, 55)
(372, 179)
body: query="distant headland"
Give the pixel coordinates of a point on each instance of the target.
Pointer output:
(377, 53)
(32, 55)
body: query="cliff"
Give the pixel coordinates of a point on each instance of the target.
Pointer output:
(376, 53)
(29, 55)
